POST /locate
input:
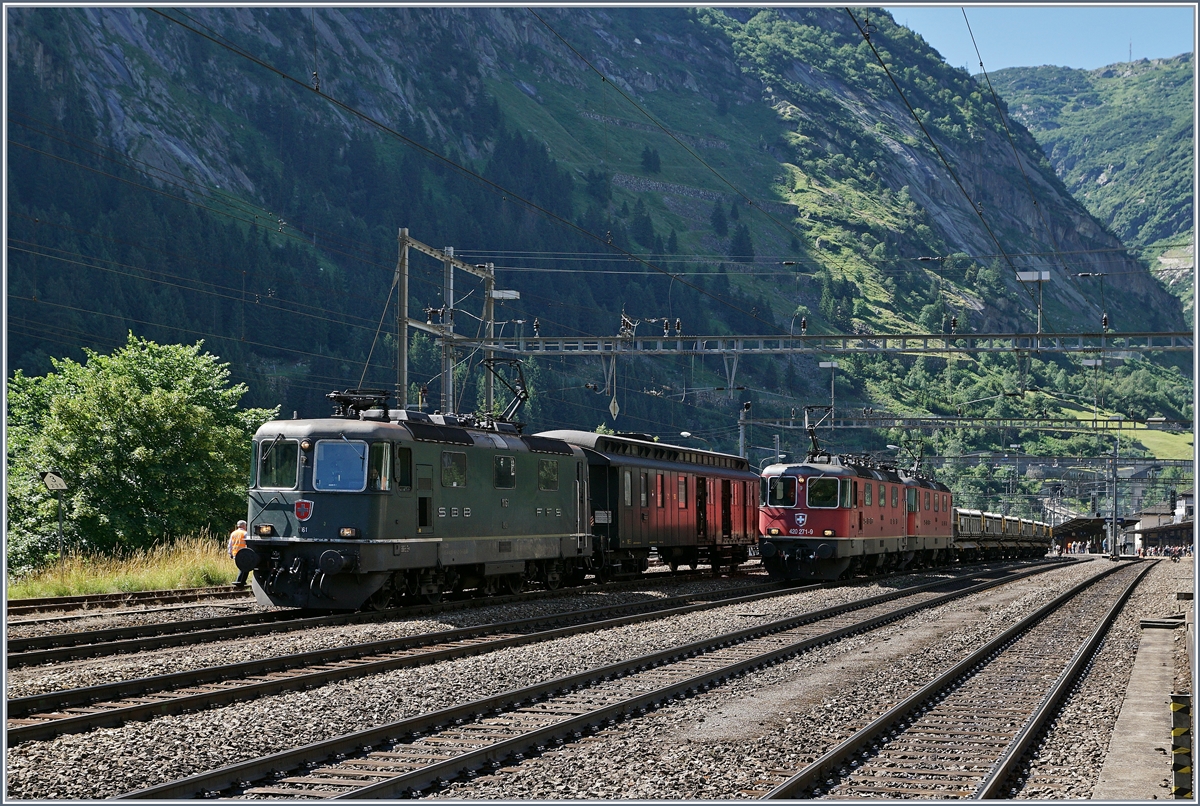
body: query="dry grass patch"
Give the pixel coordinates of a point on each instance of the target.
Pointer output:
(193, 562)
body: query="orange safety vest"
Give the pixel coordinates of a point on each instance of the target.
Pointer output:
(237, 541)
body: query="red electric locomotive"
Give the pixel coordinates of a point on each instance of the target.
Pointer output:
(834, 516)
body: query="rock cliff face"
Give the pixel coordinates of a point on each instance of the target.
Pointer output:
(789, 106)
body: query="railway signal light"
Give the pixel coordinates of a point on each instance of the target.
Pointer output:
(1104, 322)
(953, 324)
(803, 325)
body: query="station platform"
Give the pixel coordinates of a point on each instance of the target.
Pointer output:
(1138, 764)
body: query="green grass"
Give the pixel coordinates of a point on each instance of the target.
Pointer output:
(194, 562)
(1162, 444)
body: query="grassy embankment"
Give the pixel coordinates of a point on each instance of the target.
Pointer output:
(193, 562)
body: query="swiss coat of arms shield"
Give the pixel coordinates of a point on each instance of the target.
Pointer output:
(303, 509)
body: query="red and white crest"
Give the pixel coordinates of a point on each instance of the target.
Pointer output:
(304, 509)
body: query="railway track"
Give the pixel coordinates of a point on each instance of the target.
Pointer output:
(66, 646)
(965, 734)
(44, 716)
(410, 755)
(51, 604)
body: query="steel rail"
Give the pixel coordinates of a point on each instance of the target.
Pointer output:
(243, 774)
(802, 783)
(19, 607)
(1035, 725)
(46, 715)
(117, 640)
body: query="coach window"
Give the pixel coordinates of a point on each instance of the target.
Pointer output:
(504, 474)
(548, 475)
(895, 496)
(644, 490)
(402, 469)
(628, 488)
(927, 500)
(867, 494)
(660, 490)
(823, 493)
(279, 460)
(781, 491)
(454, 469)
(683, 492)
(341, 464)
(379, 472)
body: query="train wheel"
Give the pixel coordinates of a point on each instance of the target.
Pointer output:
(674, 566)
(380, 599)
(515, 583)
(433, 598)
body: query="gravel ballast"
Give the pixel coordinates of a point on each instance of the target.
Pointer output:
(807, 690)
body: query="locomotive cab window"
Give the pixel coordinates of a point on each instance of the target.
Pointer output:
(504, 474)
(823, 493)
(454, 469)
(882, 496)
(935, 502)
(379, 472)
(910, 497)
(849, 493)
(895, 496)
(548, 474)
(926, 500)
(279, 460)
(402, 469)
(340, 465)
(779, 492)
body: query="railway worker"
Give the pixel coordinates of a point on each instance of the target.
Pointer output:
(237, 542)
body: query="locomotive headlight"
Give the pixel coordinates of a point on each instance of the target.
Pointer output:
(829, 533)
(265, 530)
(348, 531)
(306, 444)
(773, 531)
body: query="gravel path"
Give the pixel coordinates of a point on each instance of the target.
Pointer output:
(107, 762)
(25, 681)
(1068, 763)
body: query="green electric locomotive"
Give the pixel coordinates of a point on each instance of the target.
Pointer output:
(368, 505)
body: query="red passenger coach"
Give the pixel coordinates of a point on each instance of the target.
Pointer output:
(834, 516)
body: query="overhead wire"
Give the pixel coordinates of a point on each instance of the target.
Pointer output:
(953, 175)
(1012, 144)
(462, 170)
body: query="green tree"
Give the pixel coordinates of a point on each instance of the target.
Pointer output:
(741, 249)
(719, 224)
(149, 439)
(651, 163)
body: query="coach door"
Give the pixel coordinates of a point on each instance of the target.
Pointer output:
(424, 499)
(701, 510)
(726, 508)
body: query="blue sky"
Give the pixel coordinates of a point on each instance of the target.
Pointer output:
(1084, 37)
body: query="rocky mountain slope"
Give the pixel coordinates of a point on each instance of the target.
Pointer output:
(762, 162)
(1122, 140)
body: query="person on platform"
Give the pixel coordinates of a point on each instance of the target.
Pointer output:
(237, 542)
